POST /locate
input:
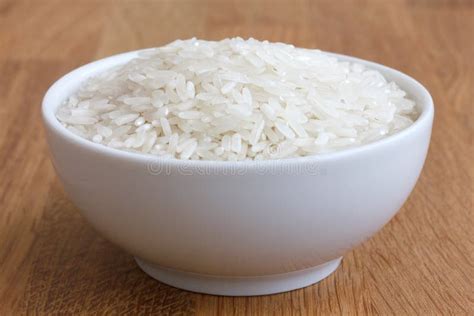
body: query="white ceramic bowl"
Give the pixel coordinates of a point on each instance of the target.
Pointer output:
(238, 228)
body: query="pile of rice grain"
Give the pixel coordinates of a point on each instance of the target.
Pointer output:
(236, 100)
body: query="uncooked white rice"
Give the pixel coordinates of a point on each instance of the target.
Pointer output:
(236, 100)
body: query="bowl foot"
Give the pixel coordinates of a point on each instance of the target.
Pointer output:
(239, 286)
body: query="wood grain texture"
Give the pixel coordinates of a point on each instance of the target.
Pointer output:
(52, 262)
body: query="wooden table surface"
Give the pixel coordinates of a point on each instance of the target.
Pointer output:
(53, 262)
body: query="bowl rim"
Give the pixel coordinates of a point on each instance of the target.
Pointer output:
(50, 104)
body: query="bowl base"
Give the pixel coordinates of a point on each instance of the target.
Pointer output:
(239, 286)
